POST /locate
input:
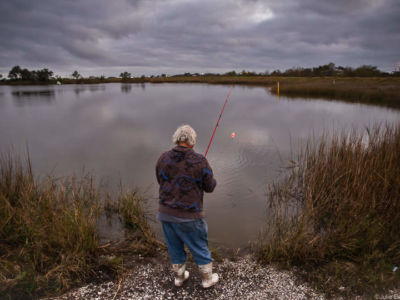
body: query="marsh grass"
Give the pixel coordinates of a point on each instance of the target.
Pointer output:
(130, 207)
(337, 214)
(377, 91)
(383, 91)
(48, 231)
(48, 238)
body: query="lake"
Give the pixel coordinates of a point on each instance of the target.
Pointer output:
(117, 131)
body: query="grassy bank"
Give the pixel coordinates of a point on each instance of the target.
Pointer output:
(48, 236)
(377, 91)
(337, 214)
(383, 91)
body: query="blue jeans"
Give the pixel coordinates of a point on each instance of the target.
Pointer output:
(193, 234)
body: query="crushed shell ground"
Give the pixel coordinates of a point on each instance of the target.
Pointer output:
(240, 279)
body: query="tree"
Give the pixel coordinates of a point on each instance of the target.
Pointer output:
(367, 71)
(231, 73)
(44, 74)
(76, 75)
(125, 75)
(325, 70)
(276, 72)
(15, 73)
(27, 75)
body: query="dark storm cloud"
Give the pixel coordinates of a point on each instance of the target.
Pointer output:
(101, 36)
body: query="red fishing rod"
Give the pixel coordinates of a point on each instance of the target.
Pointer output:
(220, 115)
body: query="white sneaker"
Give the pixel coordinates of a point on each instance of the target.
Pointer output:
(180, 274)
(209, 278)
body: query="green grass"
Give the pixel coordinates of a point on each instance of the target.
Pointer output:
(48, 235)
(337, 214)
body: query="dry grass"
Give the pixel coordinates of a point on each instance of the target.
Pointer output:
(337, 214)
(383, 91)
(48, 238)
(48, 233)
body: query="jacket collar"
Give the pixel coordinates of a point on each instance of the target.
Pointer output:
(182, 149)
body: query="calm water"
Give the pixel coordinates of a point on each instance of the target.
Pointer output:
(119, 130)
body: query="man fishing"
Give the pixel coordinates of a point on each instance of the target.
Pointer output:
(184, 176)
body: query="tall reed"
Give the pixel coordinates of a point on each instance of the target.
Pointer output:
(337, 214)
(48, 230)
(48, 238)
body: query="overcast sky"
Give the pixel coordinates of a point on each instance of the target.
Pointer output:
(172, 36)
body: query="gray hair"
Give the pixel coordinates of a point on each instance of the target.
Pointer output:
(185, 134)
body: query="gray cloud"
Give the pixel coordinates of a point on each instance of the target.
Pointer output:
(107, 37)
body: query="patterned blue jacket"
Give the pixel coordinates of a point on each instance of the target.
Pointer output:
(183, 176)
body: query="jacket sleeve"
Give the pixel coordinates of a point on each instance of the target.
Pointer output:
(209, 183)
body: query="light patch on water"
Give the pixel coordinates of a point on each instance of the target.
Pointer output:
(258, 137)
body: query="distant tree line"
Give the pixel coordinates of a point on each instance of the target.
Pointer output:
(324, 70)
(45, 75)
(332, 70)
(17, 73)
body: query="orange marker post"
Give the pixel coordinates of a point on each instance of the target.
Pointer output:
(277, 96)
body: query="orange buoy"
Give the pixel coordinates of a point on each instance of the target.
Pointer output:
(233, 135)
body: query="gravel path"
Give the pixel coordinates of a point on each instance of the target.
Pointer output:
(240, 279)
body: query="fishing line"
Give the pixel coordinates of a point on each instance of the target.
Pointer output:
(220, 115)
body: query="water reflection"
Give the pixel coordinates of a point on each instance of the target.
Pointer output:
(96, 88)
(92, 88)
(32, 97)
(78, 90)
(126, 88)
(38, 93)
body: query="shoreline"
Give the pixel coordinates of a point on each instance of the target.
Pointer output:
(382, 91)
(240, 278)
